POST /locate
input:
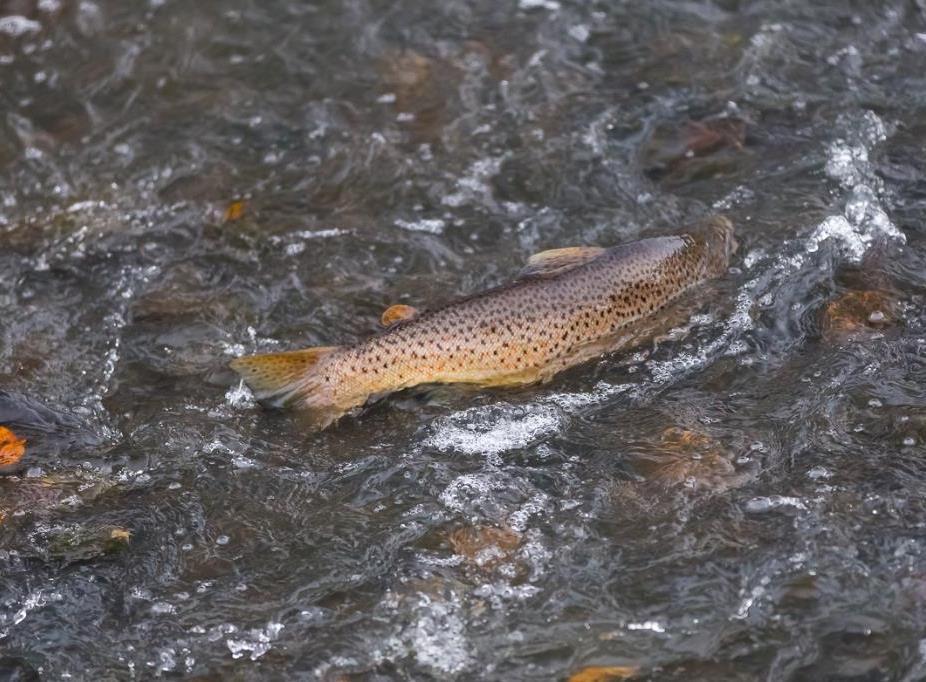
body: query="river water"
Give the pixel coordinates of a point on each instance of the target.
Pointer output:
(184, 182)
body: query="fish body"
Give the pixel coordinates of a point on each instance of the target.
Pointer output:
(566, 307)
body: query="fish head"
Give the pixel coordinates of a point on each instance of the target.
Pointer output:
(716, 233)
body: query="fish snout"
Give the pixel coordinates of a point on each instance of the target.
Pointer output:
(724, 228)
(733, 244)
(721, 243)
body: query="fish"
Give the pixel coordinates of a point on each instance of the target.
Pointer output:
(567, 306)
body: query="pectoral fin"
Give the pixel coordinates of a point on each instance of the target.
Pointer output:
(397, 313)
(556, 261)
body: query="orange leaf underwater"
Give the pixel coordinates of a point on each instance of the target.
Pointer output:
(235, 211)
(12, 447)
(609, 673)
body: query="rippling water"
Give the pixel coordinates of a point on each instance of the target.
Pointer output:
(743, 500)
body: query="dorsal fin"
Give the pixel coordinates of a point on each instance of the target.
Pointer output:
(397, 313)
(555, 261)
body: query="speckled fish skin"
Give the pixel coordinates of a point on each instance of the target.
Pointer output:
(522, 332)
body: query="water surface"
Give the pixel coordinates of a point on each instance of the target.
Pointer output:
(741, 501)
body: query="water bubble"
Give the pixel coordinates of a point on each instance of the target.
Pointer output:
(580, 32)
(760, 505)
(437, 637)
(551, 5)
(167, 660)
(257, 644)
(431, 226)
(651, 625)
(163, 608)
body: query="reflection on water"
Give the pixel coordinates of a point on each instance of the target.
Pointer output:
(181, 183)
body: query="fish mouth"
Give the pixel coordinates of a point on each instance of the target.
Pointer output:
(717, 234)
(724, 226)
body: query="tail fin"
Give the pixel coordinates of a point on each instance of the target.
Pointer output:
(284, 378)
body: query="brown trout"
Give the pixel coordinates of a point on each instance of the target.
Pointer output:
(567, 306)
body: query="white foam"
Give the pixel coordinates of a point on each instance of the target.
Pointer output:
(739, 195)
(162, 608)
(167, 660)
(537, 504)
(551, 5)
(493, 429)
(17, 25)
(864, 218)
(81, 206)
(571, 402)
(838, 229)
(753, 257)
(739, 322)
(294, 243)
(470, 490)
(761, 505)
(320, 234)
(256, 643)
(474, 185)
(429, 225)
(844, 162)
(748, 601)
(650, 625)
(819, 472)
(535, 554)
(33, 601)
(499, 593)
(437, 638)
(580, 32)
(240, 396)
(769, 42)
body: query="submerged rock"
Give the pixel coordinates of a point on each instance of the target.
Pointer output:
(689, 458)
(694, 149)
(485, 547)
(76, 543)
(858, 313)
(420, 88)
(15, 669)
